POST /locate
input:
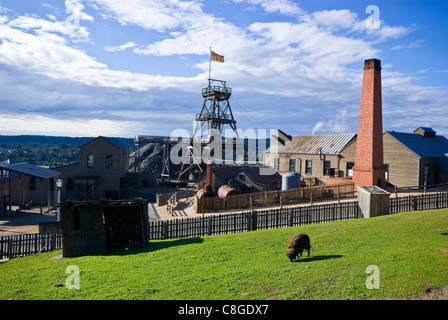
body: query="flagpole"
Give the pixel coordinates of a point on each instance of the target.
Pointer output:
(209, 66)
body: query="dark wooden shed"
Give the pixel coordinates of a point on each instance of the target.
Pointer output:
(93, 227)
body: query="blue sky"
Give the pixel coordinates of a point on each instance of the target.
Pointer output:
(137, 67)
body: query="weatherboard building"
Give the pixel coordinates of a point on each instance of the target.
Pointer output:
(99, 174)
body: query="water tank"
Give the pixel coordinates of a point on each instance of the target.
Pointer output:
(205, 192)
(290, 181)
(225, 191)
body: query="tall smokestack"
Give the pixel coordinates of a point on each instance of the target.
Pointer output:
(369, 167)
(209, 174)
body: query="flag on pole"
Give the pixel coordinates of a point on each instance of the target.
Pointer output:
(217, 57)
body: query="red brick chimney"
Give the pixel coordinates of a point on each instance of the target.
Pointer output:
(369, 167)
(209, 176)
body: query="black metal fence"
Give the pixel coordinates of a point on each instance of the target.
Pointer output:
(252, 220)
(433, 200)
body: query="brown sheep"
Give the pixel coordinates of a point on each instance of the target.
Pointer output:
(296, 246)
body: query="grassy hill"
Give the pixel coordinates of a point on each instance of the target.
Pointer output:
(409, 249)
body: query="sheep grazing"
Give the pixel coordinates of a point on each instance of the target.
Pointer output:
(296, 246)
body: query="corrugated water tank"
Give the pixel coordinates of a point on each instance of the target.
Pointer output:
(225, 191)
(290, 181)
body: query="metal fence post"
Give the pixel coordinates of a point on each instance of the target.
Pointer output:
(209, 226)
(164, 230)
(254, 220)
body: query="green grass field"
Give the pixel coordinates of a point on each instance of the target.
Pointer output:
(409, 249)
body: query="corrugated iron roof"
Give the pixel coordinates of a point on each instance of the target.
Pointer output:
(314, 144)
(426, 147)
(30, 170)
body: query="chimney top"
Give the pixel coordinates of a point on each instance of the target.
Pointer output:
(372, 64)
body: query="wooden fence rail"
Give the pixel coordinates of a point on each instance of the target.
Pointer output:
(28, 244)
(265, 198)
(171, 203)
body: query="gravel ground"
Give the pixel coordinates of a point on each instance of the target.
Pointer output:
(436, 294)
(23, 223)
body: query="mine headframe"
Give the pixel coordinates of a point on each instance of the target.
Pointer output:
(216, 111)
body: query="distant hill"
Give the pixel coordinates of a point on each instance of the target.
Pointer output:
(53, 140)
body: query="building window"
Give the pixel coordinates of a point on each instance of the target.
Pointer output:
(292, 165)
(90, 161)
(350, 166)
(242, 177)
(32, 185)
(308, 166)
(76, 220)
(327, 168)
(109, 161)
(276, 164)
(426, 174)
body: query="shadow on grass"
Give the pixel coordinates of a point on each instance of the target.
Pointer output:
(153, 246)
(317, 258)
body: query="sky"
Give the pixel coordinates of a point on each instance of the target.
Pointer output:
(137, 67)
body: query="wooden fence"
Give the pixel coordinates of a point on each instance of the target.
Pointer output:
(265, 198)
(28, 244)
(171, 203)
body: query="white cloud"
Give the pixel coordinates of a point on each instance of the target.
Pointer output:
(49, 29)
(312, 64)
(33, 44)
(157, 15)
(334, 18)
(122, 47)
(416, 44)
(39, 124)
(350, 23)
(75, 8)
(51, 17)
(285, 7)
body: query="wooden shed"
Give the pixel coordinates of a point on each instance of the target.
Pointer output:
(94, 227)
